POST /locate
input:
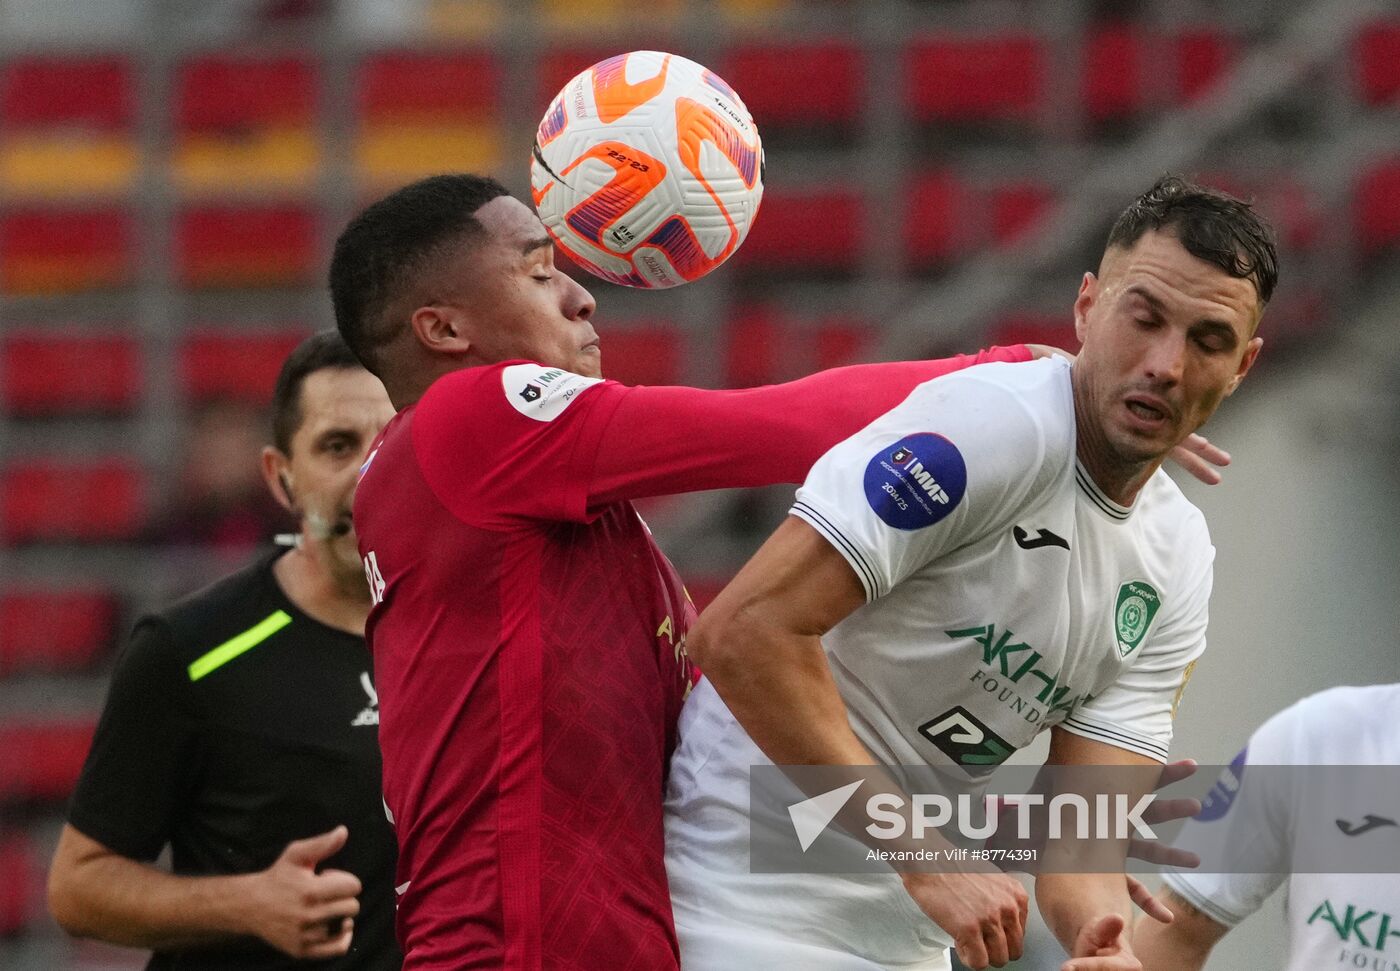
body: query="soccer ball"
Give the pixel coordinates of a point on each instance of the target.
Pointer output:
(647, 170)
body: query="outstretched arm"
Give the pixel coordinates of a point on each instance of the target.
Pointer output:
(1182, 945)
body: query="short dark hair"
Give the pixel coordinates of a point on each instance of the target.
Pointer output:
(1212, 225)
(323, 349)
(377, 255)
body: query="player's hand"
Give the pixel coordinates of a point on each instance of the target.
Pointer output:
(1199, 457)
(1103, 946)
(1166, 811)
(984, 913)
(300, 912)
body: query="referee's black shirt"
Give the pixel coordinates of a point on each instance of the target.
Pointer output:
(235, 724)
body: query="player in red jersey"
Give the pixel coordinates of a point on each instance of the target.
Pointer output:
(528, 635)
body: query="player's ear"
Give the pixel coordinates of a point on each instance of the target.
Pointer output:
(1251, 352)
(442, 329)
(1088, 293)
(277, 474)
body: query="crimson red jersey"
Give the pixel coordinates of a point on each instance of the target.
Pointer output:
(528, 641)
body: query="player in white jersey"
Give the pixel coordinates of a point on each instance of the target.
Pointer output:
(996, 556)
(1335, 920)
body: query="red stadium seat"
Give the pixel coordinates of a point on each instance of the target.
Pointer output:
(648, 354)
(1017, 209)
(70, 372)
(54, 630)
(934, 219)
(559, 66)
(234, 366)
(1112, 81)
(1377, 203)
(1203, 57)
(245, 122)
(819, 229)
(1377, 63)
(251, 247)
(53, 251)
(19, 865)
(57, 500)
(841, 341)
(753, 347)
(1030, 327)
(975, 78)
(66, 126)
(43, 758)
(830, 76)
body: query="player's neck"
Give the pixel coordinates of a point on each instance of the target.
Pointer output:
(308, 577)
(1119, 480)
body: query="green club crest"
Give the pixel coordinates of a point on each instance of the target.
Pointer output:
(1137, 605)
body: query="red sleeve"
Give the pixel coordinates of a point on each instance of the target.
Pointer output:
(662, 441)
(521, 442)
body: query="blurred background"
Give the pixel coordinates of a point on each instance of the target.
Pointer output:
(939, 176)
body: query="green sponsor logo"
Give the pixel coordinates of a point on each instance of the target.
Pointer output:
(1356, 925)
(1137, 605)
(1009, 660)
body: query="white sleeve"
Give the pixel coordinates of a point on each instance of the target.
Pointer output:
(952, 461)
(1136, 711)
(1243, 832)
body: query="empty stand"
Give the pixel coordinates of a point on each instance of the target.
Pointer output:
(238, 246)
(69, 373)
(18, 865)
(842, 340)
(1017, 208)
(43, 758)
(44, 251)
(245, 123)
(67, 500)
(645, 354)
(935, 219)
(1377, 63)
(1377, 204)
(228, 364)
(814, 230)
(66, 126)
(800, 86)
(54, 629)
(421, 114)
(1033, 327)
(975, 79)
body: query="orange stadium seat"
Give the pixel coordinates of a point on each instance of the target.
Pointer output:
(54, 630)
(1377, 63)
(69, 372)
(645, 354)
(830, 76)
(935, 219)
(998, 78)
(1377, 202)
(62, 500)
(56, 251)
(819, 229)
(423, 113)
(218, 364)
(228, 246)
(66, 126)
(244, 122)
(43, 758)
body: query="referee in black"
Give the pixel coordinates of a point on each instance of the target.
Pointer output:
(241, 730)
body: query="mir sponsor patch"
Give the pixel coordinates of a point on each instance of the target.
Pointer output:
(916, 481)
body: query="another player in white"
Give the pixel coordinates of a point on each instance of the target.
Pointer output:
(1260, 822)
(1000, 550)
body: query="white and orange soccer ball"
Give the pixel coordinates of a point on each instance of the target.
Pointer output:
(648, 170)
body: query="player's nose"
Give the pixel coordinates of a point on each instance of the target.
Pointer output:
(578, 303)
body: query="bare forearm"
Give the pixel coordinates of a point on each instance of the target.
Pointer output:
(1182, 945)
(121, 901)
(1069, 901)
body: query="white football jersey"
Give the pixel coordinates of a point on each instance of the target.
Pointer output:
(1262, 819)
(1005, 594)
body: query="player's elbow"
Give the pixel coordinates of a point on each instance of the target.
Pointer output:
(713, 643)
(64, 898)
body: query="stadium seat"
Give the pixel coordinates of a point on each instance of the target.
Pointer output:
(1203, 56)
(973, 79)
(830, 75)
(227, 246)
(69, 373)
(1031, 327)
(1017, 209)
(841, 341)
(645, 354)
(935, 219)
(245, 123)
(817, 230)
(58, 251)
(66, 500)
(1377, 63)
(571, 15)
(224, 365)
(462, 19)
(42, 758)
(1377, 203)
(66, 127)
(558, 66)
(1112, 81)
(426, 113)
(19, 865)
(753, 347)
(54, 630)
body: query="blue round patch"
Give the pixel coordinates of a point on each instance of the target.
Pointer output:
(1222, 795)
(916, 481)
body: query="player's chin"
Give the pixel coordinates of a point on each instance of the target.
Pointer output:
(590, 362)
